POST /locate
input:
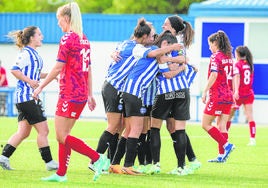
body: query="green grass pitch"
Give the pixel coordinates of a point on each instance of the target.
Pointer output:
(246, 167)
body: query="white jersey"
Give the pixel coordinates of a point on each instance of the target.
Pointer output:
(30, 64)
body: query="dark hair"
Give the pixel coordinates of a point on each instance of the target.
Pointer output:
(223, 42)
(22, 37)
(244, 52)
(142, 28)
(182, 27)
(165, 36)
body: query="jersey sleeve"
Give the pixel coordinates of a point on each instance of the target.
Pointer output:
(214, 64)
(23, 60)
(63, 49)
(236, 69)
(140, 51)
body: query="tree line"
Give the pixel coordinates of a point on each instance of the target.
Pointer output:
(101, 6)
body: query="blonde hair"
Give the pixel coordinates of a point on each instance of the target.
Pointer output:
(72, 10)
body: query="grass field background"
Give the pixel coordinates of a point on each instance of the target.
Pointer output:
(246, 167)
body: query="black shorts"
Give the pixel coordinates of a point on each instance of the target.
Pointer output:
(32, 111)
(176, 103)
(148, 110)
(133, 105)
(112, 99)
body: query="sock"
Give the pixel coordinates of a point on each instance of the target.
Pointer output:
(221, 149)
(120, 151)
(64, 154)
(217, 136)
(112, 146)
(141, 149)
(179, 145)
(155, 144)
(45, 154)
(131, 151)
(228, 125)
(189, 149)
(104, 142)
(252, 129)
(148, 156)
(8, 150)
(81, 147)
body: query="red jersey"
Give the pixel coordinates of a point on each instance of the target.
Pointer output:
(246, 78)
(3, 73)
(75, 53)
(220, 92)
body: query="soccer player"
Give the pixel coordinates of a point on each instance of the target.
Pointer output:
(136, 83)
(184, 33)
(73, 65)
(28, 71)
(243, 91)
(3, 76)
(3, 83)
(123, 62)
(220, 95)
(177, 115)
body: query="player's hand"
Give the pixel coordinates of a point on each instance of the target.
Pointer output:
(236, 95)
(36, 93)
(204, 97)
(91, 103)
(34, 83)
(116, 56)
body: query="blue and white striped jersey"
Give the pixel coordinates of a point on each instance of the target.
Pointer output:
(30, 64)
(118, 71)
(182, 80)
(142, 73)
(150, 93)
(190, 74)
(130, 52)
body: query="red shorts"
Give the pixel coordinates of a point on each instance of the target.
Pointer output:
(69, 109)
(215, 109)
(245, 100)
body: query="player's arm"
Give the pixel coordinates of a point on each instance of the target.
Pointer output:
(178, 59)
(161, 51)
(236, 84)
(173, 73)
(20, 76)
(169, 70)
(91, 100)
(43, 75)
(51, 76)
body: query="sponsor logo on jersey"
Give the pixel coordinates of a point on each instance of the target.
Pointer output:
(218, 112)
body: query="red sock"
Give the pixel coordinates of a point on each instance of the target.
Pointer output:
(217, 136)
(228, 125)
(81, 147)
(252, 129)
(64, 158)
(221, 149)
